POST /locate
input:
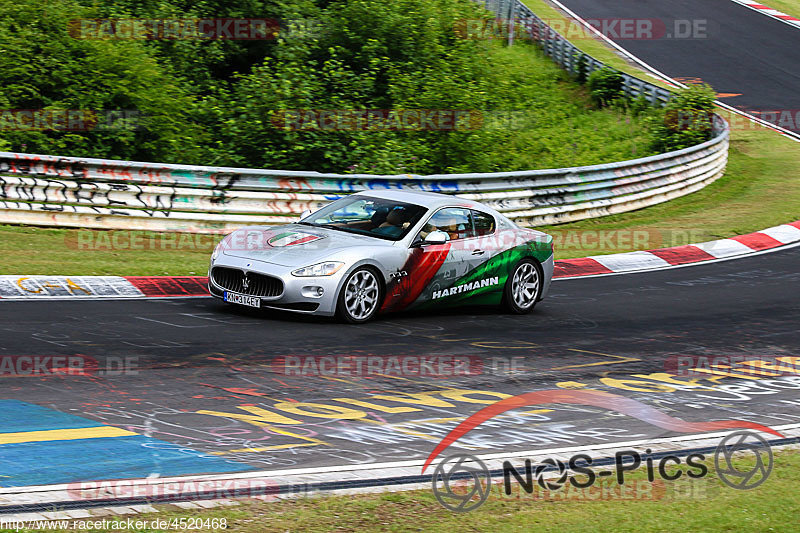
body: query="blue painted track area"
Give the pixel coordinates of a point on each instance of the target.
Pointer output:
(40, 446)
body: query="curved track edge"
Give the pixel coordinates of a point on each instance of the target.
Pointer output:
(22, 287)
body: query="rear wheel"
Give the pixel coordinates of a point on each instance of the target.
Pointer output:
(523, 288)
(360, 297)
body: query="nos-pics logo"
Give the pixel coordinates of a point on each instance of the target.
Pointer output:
(462, 482)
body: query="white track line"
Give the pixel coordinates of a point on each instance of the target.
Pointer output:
(700, 263)
(771, 13)
(663, 77)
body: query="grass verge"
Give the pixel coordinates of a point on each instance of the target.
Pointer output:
(790, 7)
(760, 189)
(706, 506)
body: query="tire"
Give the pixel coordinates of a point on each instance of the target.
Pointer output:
(518, 297)
(360, 297)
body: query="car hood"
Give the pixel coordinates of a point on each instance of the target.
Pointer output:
(292, 245)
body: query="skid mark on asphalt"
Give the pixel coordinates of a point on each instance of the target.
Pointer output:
(40, 446)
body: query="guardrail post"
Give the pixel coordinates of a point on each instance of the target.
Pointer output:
(512, 22)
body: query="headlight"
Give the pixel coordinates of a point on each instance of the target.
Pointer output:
(219, 247)
(320, 269)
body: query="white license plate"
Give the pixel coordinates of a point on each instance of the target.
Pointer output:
(241, 299)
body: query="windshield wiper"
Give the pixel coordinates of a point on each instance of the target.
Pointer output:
(352, 231)
(328, 226)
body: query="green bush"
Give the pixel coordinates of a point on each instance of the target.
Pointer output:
(605, 85)
(221, 102)
(43, 67)
(686, 120)
(581, 64)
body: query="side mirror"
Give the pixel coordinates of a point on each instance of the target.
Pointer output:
(305, 213)
(436, 237)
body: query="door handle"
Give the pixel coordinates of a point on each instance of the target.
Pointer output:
(478, 252)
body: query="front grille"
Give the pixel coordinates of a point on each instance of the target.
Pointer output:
(233, 279)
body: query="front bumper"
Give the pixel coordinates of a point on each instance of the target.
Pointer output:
(298, 293)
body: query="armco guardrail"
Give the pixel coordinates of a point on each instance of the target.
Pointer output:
(97, 193)
(563, 52)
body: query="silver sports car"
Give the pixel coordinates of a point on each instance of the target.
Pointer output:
(373, 252)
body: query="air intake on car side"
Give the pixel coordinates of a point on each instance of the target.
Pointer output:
(252, 283)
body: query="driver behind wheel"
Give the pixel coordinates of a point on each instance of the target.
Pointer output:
(396, 223)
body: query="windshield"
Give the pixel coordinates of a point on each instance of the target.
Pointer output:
(376, 217)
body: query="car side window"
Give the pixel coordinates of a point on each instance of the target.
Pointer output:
(455, 221)
(484, 223)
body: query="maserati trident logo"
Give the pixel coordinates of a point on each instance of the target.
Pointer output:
(245, 282)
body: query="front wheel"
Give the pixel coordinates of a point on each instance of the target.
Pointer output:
(523, 288)
(360, 297)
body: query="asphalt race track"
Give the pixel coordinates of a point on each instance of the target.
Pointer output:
(193, 386)
(737, 50)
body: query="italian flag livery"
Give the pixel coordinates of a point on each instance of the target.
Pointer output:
(451, 275)
(292, 238)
